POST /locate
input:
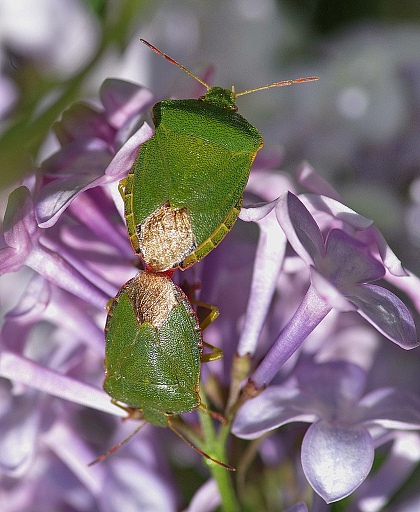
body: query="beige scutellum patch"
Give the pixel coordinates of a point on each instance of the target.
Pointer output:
(166, 238)
(153, 297)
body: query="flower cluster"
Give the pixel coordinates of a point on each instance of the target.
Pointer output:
(318, 305)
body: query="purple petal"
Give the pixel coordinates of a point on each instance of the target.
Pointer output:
(273, 407)
(81, 167)
(75, 454)
(206, 499)
(29, 310)
(387, 313)
(34, 375)
(126, 155)
(82, 122)
(309, 178)
(391, 408)
(96, 211)
(336, 460)
(317, 204)
(61, 272)
(19, 430)
(311, 311)
(347, 261)
(269, 258)
(134, 486)
(300, 228)
(56, 197)
(329, 293)
(20, 227)
(11, 260)
(73, 169)
(33, 302)
(87, 158)
(20, 230)
(335, 383)
(122, 100)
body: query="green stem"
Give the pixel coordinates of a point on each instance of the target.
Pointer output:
(215, 445)
(241, 366)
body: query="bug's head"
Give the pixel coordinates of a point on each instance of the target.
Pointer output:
(223, 98)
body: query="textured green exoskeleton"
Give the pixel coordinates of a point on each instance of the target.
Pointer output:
(184, 191)
(153, 349)
(153, 353)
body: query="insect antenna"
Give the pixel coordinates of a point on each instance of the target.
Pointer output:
(276, 84)
(118, 445)
(186, 440)
(173, 61)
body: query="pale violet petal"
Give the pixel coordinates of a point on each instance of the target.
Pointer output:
(255, 213)
(274, 407)
(390, 408)
(268, 185)
(316, 203)
(309, 178)
(389, 258)
(336, 460)
(348, 261)
(329, 293)
(409, 284)
(206, 499)
(23, 370)
(123, 99)
(300, 228)
(387, 313)
(269, 258)
(334, 382)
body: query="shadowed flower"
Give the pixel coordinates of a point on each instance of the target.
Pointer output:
(338, 448)
(99, 147)
(341, 271)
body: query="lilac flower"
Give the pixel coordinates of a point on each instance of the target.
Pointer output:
(206, 499)
(403, 457)
(98, 148)
(22, 236)
(338, 448)
(341, 270)
(35, 428)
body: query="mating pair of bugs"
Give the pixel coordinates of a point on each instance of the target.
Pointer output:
(182, 196)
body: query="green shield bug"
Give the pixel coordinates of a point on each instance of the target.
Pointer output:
(184, 191)
(154, 350)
